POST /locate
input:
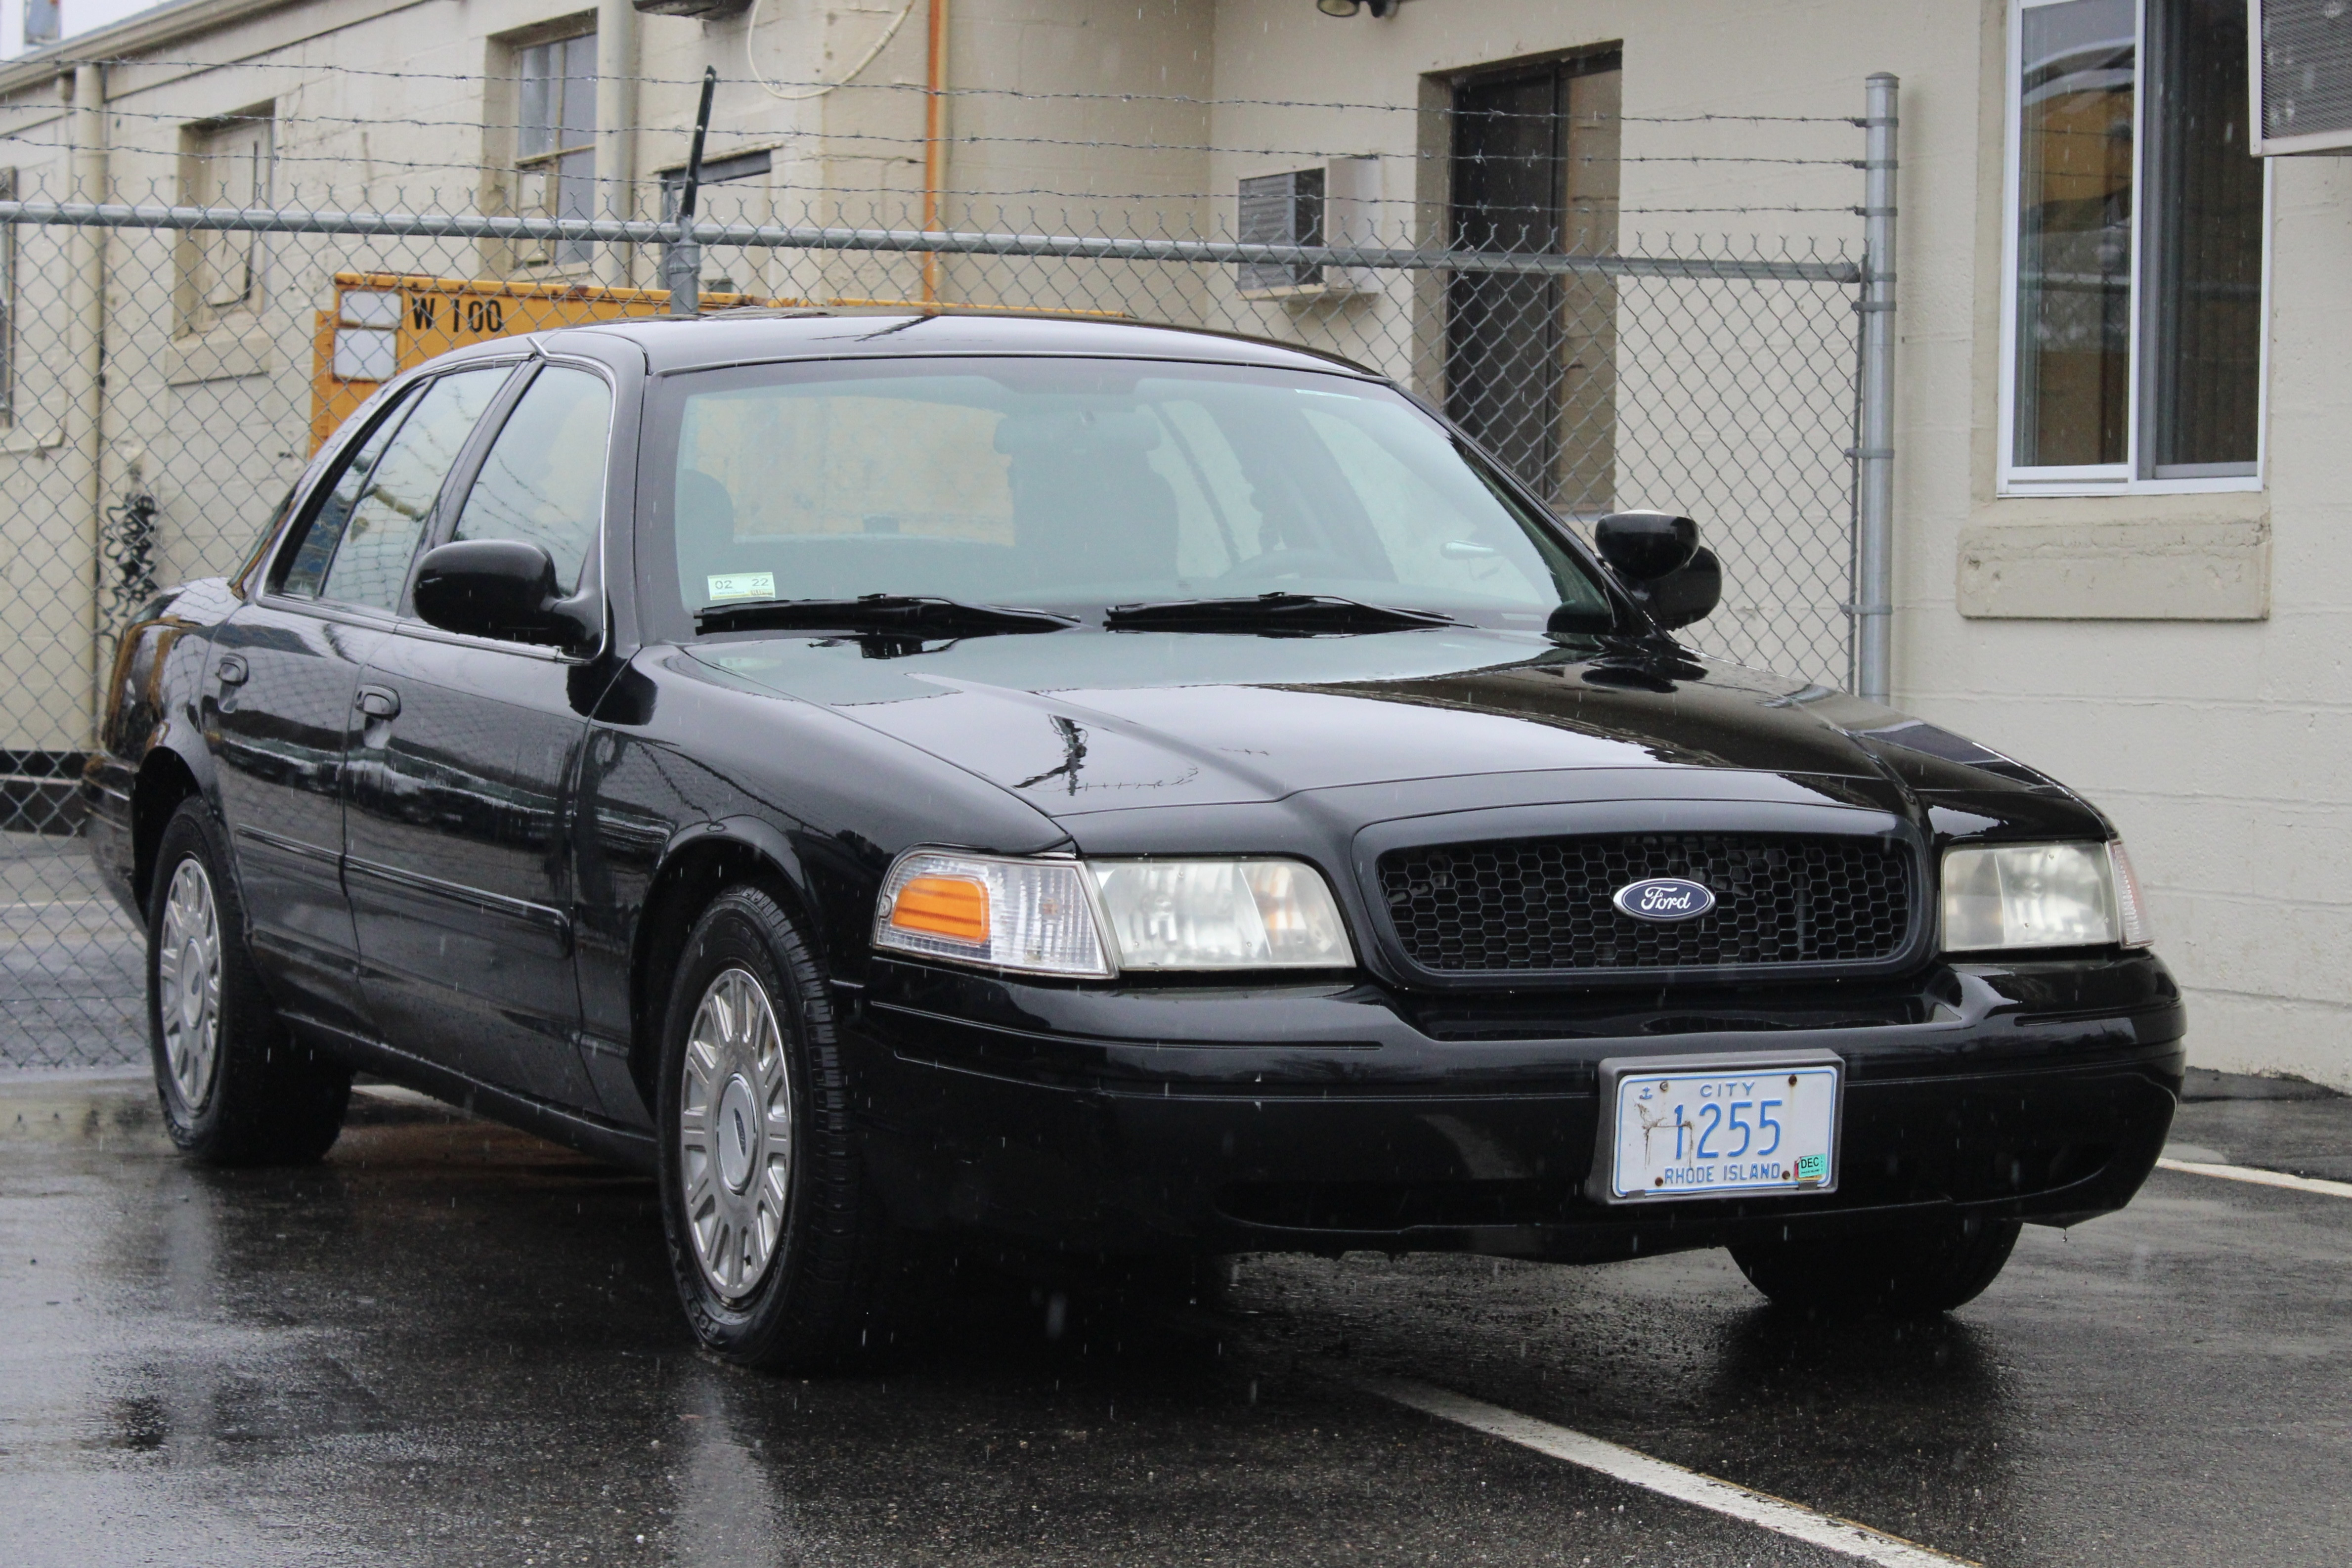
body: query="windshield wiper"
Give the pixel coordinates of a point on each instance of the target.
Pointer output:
(904, 614)
(1301, 614)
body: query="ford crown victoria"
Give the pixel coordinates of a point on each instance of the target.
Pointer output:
(1111, 789)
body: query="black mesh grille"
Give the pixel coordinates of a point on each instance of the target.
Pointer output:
(1537, 904)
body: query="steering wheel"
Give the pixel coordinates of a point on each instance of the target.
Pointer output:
(1285, 562)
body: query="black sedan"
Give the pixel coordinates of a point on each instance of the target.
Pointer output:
(1106, 789)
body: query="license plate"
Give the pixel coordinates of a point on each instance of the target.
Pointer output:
(1697, 1129)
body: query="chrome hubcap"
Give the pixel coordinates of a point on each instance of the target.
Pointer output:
(188, 982)
(735, 1134)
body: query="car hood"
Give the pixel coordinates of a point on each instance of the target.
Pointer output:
(1085, 722)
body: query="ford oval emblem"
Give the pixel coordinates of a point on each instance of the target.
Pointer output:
(1665, 899)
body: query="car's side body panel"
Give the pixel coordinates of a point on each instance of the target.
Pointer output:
(684, 760)
(151, 749)
(459, 859)
(278, 732)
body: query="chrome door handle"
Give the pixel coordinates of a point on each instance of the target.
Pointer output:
(378, 701)
(231, 671)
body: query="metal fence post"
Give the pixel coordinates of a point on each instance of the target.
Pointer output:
(1873, 588)
(87, 312)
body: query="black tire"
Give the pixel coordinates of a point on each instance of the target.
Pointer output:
(810, 1299)
(237, 1088)
(1908, 1274)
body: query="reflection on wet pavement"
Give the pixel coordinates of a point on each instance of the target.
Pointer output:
(455, 1344)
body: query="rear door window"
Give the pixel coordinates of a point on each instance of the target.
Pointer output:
(389, 513)
(308, 568)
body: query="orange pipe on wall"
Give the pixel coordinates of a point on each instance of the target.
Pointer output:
(935, 148)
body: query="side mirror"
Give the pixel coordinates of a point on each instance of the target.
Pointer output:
(1643, 546)
(502, 588)
(1690, 592)
(1658, 555)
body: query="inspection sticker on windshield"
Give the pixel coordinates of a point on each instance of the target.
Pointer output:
(743, 586)
(1708, 1129)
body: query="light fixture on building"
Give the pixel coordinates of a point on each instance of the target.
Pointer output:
(1350, 7)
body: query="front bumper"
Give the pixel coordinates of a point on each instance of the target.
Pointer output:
(1327, 1118)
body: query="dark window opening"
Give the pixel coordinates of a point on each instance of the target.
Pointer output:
(1531, 359)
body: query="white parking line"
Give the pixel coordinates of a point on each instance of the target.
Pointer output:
(2259, 1178)
(1760, 1509)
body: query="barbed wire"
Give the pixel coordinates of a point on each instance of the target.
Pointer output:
(973, 140)
(1536, 233)
(1187, 100)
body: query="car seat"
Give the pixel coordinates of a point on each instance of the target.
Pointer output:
(1087, 506)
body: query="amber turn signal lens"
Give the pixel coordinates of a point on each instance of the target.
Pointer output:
(950, 907)
(1025, 914)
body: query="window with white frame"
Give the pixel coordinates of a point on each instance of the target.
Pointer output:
(224, 163)
(555, 141)
(2132, 346)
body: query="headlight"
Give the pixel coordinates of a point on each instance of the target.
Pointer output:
(1033, 915)
(1221, 914)
(2041, 895)
(1096, 919)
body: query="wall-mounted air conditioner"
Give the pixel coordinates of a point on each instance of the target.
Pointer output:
(1336, 203)
(2302, 76)
(708, 10)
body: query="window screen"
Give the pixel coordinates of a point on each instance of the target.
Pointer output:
(2204, 264)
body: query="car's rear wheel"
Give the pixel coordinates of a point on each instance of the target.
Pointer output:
(776, 1241)
(237, 1088)
(1907, 1274)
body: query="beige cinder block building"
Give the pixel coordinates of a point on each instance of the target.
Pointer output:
(2125, 342)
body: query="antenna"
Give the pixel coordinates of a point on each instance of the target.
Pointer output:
(682, 267)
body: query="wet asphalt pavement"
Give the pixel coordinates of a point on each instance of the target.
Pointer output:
(455, 1344)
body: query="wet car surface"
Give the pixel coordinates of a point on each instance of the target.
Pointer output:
(451, 1342)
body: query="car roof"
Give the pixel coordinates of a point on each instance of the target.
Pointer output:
(688, 342)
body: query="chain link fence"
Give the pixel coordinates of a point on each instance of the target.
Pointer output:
(171, 368)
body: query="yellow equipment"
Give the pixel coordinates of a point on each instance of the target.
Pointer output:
(384, 323)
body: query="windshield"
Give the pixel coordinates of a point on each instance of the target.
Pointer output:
(1074, 485)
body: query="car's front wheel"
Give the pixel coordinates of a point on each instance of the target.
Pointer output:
(237, 1088)
(1908, 1274)
(776, 1241)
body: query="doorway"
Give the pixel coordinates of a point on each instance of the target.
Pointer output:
(1530, 361)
